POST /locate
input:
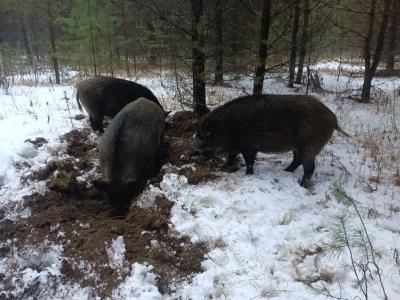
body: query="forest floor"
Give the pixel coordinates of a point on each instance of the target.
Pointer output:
(197, 232)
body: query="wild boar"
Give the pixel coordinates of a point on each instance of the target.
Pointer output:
(106, 96)
(269, 123)
(130, 151)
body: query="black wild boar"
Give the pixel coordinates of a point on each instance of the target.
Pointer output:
(130, 151)
(106, 96)
(269, 123)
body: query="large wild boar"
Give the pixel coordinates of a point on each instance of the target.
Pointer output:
(269, 123)
(106, 96)
(130, 151)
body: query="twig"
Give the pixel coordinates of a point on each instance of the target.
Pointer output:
(338, 160)
(378, 271)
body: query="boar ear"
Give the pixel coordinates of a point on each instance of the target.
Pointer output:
(101, 185)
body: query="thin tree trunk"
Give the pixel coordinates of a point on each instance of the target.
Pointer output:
(92, 38)
(370, 69)
(293, 50)
(198, 66)
(262, 48)
(53, 42)
(110, 47)
(303, 41)
(125, 32)
(394, 23)
(35, 35)
(219, 48)
(25, 39)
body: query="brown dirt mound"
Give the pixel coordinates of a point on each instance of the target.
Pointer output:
(180, 137)
(75, 215)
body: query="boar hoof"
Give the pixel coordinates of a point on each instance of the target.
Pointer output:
(249, 171)
(306, 183)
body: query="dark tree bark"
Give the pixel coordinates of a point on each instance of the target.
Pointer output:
(33, 20)
(92, 45)
(370, 68)
(293, 49)
(50, 24)
(303, 41)
(219, 48)
(25, 38)
(125, 32)
(262, 48)
(394, 23)
(198, 57)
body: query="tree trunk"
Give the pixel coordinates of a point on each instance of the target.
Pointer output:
(394, 23)
(293, 50)
(198, 56)
(366, 88)
(35, 36)
(25, 39)
(126, 52)
(219, 48)
(92, 45)
(371, 68)
(303, 41)
(53, 42)
(262, 48)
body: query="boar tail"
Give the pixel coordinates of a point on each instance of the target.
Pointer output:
(342, 131)
(77, 101)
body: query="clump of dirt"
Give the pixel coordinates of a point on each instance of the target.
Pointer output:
(396, 178)
(74, 214)
(78, 142)
(37, 142)
(180, 138)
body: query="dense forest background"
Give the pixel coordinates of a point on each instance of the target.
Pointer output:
(207, 39)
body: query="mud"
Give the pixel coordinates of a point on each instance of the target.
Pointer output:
(74, 214)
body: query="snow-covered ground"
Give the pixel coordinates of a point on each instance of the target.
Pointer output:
(267, 237)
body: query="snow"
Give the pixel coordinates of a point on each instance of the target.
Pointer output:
(140, 285)
(116, 253)
(37, 268)
(263, 232)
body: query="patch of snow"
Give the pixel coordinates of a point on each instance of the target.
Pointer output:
(27, 150)
(36, 271)
(148, 197)
(116, 253)
(140, 285)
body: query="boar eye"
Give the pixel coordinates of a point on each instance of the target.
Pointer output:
(207, 133)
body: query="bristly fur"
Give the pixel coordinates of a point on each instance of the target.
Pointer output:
(270, 123)
(106, 96)
(129, 149)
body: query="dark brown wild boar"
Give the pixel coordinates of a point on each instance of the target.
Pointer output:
(106, 96)
(269, 123)
(130, 151)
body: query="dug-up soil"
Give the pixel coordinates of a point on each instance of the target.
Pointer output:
(74, 208)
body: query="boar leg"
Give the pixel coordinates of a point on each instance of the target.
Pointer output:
(295, 163)
(231, 163)
(96, 123)
(249, 157)
(231, 159)
(308, 166)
